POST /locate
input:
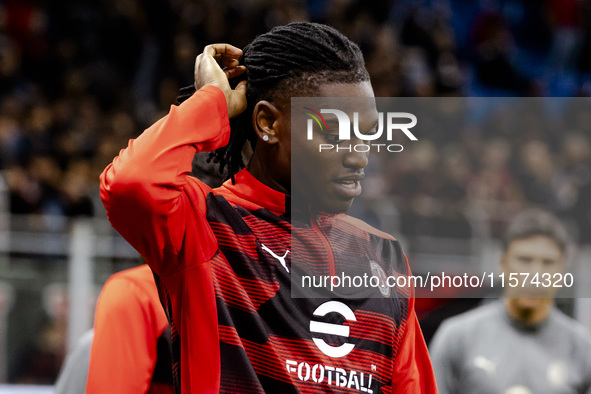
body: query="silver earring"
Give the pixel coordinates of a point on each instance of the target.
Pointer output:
(265, 137)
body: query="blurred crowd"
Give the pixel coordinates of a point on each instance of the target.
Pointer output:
(484, 161)
(79, 78)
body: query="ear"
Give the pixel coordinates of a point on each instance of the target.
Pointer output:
(265, 121)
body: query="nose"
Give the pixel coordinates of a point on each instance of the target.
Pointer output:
(356, 159)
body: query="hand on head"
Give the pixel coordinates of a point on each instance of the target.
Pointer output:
(208, 71)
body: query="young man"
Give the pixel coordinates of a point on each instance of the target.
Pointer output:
(521, 344)
(224, 256)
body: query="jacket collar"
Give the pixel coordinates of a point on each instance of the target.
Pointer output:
(250, 189)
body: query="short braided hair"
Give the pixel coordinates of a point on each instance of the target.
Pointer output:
(288, 60)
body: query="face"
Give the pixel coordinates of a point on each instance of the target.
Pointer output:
(328, 180)
(537, 256)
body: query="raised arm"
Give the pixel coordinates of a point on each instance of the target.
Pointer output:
(149, 197)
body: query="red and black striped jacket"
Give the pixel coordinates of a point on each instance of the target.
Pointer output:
(225, 259)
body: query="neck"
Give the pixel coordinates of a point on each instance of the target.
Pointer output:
(529, 314)
(260, 170)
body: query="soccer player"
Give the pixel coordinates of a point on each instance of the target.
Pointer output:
(224, 256)
(522, 344)
(131, 349)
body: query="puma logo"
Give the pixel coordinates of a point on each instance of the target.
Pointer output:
(281, 259)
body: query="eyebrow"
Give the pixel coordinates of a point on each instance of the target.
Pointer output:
(334, 122)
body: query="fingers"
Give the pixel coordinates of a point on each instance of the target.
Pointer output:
(225, 54)
(223, 49)
(237, 100)
(217, 64)
(241, 88)
(225, 61)
(234, 72)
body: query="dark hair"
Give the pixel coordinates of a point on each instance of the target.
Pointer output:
(288, 60)
(533, 222)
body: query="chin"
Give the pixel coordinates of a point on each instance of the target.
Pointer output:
(331, 205)
(527, 303)
(339, 207)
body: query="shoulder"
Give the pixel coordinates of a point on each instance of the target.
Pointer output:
(131, 297)
(571, 327)
(359, 224)
(130, 286)
(471, 320)
(140, 276)
(452, 338)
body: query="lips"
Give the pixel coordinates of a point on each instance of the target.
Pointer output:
(349, 186)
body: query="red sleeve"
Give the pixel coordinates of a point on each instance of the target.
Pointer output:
(149, 196)
(413, 372)
(128, 321)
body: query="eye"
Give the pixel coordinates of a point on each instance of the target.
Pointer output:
(525, 259)
(372, 131)
(333, 138)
